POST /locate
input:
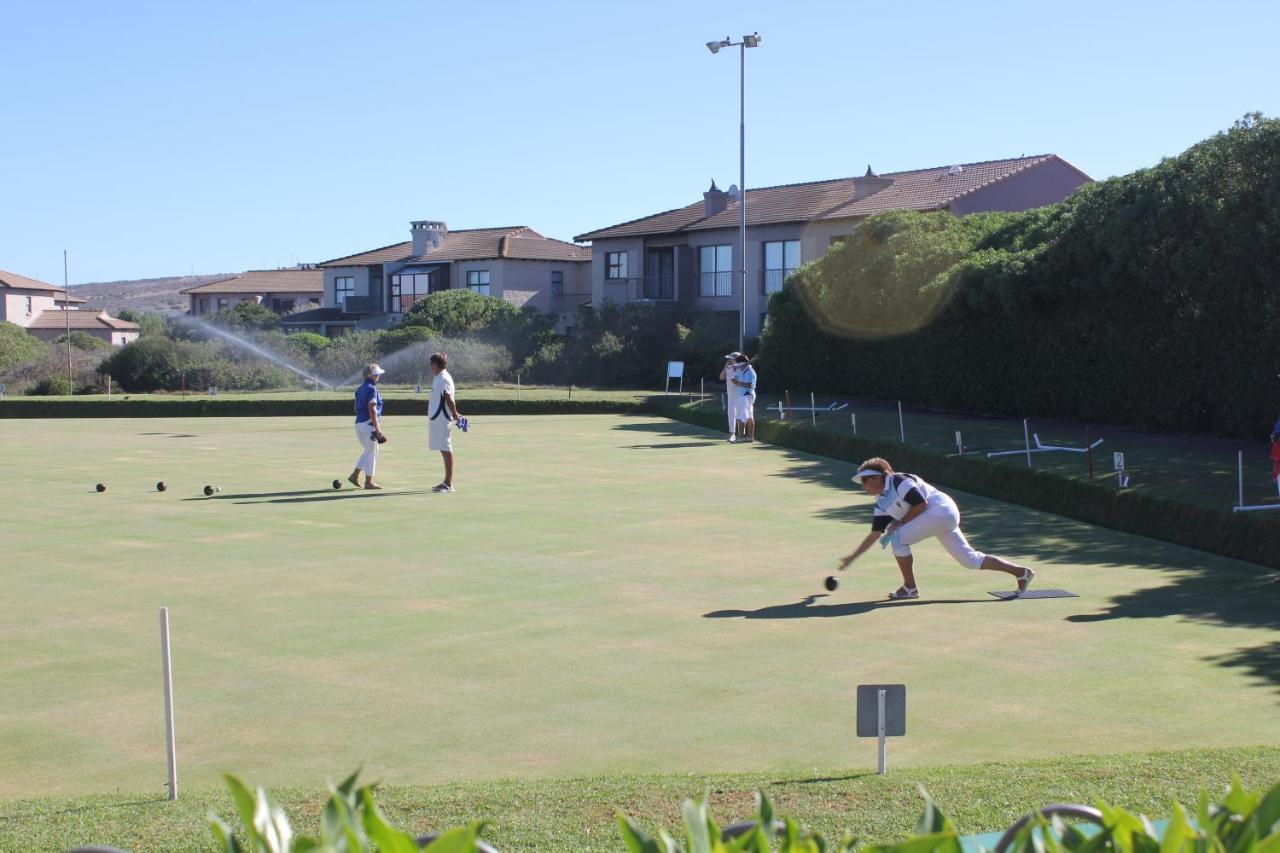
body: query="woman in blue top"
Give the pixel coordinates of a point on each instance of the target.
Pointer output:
(368, 426)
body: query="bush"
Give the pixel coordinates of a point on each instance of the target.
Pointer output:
(18, 347)
(52, 386)
(306, 344)
(83, 341)
(1151, 300)
(247, 316)
(464, 313)
(161, 364)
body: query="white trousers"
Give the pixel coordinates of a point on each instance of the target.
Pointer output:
(745, 407)
(369, 459)
(941, 520)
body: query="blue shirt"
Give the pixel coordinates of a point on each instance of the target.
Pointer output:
(365, 394)
(748, 375)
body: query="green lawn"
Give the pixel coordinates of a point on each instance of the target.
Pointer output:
(603, 595)
(578, 813)
(499, 391)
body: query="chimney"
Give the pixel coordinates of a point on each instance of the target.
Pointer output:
(869, 184)
(714, 201)
(427, 235)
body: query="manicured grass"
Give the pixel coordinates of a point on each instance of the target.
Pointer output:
(603, 596)
(487, 392)
(578, 813)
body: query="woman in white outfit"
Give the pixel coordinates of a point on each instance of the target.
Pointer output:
(908, 510)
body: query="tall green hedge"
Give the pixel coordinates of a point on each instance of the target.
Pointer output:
(1150, 300)
(192, 407)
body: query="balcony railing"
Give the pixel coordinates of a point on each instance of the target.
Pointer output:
(715, 283)
(649, 288)
(772, 280)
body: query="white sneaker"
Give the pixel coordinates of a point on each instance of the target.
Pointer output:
(733, 439)
(443, 487)
(904, 593)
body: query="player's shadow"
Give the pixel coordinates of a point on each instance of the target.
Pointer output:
(339, 496)
(671, 445)
(807, 608)
(259, 495)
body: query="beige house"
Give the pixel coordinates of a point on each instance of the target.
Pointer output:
(280, 290)
(374, 289)
(51, 325)
(23, 299)
(691, 256)
(46, 311)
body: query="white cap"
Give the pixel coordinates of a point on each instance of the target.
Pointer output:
(373, 370)
(731, 356)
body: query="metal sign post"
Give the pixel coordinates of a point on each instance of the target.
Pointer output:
(881, 714)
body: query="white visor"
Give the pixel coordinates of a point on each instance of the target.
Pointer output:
(866, 472)
(376, 371)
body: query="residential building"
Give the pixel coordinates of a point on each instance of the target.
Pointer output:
(688, 256)
(46, 311)
(374, 289)
(280, 290)
(23, 299)
(51, 325)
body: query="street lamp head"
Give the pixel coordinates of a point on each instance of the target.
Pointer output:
(752, 40)
(714, 46)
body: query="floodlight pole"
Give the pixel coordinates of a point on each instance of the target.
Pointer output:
(66, 315)
(752, 40)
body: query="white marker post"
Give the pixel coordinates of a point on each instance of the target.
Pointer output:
(1239, 478)
(813, 409)
(853, 422)
(880, 725)
(702, 388)
(782, 414)
(170, 740)
(959, 444)
(902, 430)
(1026, 437)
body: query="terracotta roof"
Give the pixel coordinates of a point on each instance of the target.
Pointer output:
(266, 281)
(21, 282)
(60, 319)
(843, 198)
(517, 242)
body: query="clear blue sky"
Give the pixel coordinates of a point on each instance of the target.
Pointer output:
(167, 138)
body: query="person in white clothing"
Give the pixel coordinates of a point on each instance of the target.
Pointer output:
(744, 383)
(727, 375)
(442, 410)
(907, 511)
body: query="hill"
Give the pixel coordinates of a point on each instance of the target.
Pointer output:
(157, 295)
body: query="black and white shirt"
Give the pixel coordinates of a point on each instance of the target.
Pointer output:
(901, 493)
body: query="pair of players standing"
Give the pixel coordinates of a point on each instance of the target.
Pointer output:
(442, 410)
(739, 379)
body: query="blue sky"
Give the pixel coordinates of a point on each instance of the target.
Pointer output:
(154, 139)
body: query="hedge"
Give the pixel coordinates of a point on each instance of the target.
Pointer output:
(1148, 300)
(1243, 537)
(194, 407)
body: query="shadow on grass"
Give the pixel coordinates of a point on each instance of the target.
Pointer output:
(807, 608)
(253, 495)
(1200, 587)
(672, 445)
(339, 496)
(27, 816)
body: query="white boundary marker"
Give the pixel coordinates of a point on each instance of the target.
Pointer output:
(170, 740)
(1240, 507)
(1042, 448)
(902, 430)
(853, 422)
(813, 409)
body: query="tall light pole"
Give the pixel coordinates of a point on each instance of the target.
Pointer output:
(752, 40)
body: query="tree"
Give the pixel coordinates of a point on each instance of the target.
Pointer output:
(19, 347)
(83, 341)
(247, 316)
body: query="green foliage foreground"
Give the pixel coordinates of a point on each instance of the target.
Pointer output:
(1244, 822)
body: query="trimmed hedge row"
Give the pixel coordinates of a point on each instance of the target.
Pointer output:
(195, 407)
(1243, 537)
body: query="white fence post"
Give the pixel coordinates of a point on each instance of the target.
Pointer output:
(170, 740)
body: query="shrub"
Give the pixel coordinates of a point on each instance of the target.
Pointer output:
(18, 347)
(51, 386)
(247, 316)
(1149, 300)
(83, 341)
(306, 344)
(464, 313)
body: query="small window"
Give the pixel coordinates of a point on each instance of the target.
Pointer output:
(715, 271)
(478, 281)
(344, 286)
(29, 307)
(615, 265)
(557, 283)
(223, 303)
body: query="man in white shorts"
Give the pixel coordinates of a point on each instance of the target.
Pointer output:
(442, 412)
(744, 383)
(727, 375)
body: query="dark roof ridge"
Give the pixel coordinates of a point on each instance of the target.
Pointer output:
(883, 175)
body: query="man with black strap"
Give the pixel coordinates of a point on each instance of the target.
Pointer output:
(442, 410)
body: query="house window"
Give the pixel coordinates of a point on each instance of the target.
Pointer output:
(407, 289)
(615, 265)
(223, 303)
(557, 283)
(204, 305)
(781, 259)
(28, 306)
(716, 271)
(478, 281)
(344, 286)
